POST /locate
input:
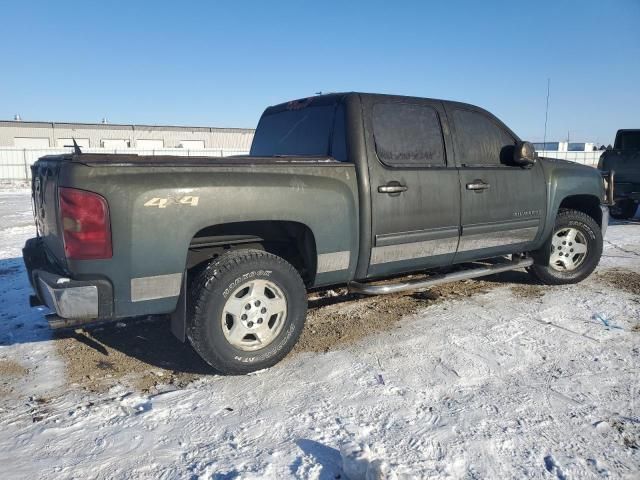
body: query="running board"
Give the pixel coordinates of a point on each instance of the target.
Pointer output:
(57, 323)
(368, 289)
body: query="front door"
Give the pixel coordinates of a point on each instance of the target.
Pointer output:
(502, 204)
(415, 199)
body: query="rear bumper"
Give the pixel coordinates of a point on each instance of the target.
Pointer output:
(635, 196)
(76, 302)
(68, 298)
(626, 191)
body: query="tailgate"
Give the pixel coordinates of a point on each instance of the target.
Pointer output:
(626, 164)
(44, 192)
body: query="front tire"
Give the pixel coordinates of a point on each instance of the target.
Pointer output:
(572, 252)
(246, 311)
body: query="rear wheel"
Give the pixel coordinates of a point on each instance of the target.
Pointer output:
(624, 209)
(572, 252)
(246, 312)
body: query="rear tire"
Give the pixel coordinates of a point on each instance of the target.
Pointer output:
(572, 251)
(246, 311)
(624, 209)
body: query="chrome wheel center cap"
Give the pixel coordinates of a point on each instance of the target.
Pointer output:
(254, 314)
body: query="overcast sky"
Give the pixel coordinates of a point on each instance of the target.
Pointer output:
(221, 63)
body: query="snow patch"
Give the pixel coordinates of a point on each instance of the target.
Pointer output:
(490, 386)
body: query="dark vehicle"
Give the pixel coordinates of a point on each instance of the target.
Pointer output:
(624, 160)
(338, 189)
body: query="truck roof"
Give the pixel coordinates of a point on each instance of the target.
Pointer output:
(330, 98)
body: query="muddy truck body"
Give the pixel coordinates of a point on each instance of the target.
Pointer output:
(340, 189)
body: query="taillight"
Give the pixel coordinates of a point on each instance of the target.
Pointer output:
(85, 224)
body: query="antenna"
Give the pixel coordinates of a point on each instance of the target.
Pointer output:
(546, 114)
(75, 146)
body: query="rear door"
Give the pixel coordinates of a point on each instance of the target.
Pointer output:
(415, 196)
(502, 205)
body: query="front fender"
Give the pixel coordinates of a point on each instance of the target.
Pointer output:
(568, 179)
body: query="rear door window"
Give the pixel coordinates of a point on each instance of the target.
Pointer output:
(408, 135)
(480, 141)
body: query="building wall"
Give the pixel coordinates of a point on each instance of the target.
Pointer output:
(566, 146)
(48, 135)
(586, 158)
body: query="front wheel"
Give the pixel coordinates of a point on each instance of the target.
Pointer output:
(572, 252)
(246, 311)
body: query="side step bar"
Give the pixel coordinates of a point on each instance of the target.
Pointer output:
(367, 289)
(56, 323)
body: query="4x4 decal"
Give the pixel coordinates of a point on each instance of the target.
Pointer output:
(163, 202)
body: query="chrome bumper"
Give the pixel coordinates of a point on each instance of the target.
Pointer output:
(605, 219)
(70, 299)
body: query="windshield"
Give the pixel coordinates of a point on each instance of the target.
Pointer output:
(304, 131)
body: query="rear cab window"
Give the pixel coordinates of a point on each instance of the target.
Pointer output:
(302, 127)
(408, 135)
(628, 140)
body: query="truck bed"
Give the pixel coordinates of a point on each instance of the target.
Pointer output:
(100, 159)
(159, 204)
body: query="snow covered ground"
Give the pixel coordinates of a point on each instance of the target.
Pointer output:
(496, 385)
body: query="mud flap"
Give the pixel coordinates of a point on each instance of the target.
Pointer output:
(179, 316)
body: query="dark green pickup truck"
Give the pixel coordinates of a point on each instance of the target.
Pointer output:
(624, 160)
(338, 189)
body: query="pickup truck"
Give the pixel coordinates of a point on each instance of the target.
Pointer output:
(338, 189)
(624, 160)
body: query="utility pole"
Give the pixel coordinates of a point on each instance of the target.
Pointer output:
(546, 114)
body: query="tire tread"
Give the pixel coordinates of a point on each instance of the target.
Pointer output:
(202, 286)
(542, 272)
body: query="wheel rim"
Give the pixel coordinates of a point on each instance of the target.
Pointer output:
(254, 314)
(568, 249)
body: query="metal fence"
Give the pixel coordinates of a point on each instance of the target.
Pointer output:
(585, 158)
(15, 163)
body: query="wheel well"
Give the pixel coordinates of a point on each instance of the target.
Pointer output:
(292, 241)
(584, 203)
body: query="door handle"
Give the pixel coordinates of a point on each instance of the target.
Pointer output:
(478, 186)
(392, 188)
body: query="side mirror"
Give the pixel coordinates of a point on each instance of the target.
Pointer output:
(524, 154)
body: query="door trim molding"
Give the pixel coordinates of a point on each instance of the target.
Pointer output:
(496, 238)
(416, 236)
(409, 251)
(501, 225)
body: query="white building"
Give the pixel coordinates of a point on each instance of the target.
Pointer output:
(566, 146)
(43, 135)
